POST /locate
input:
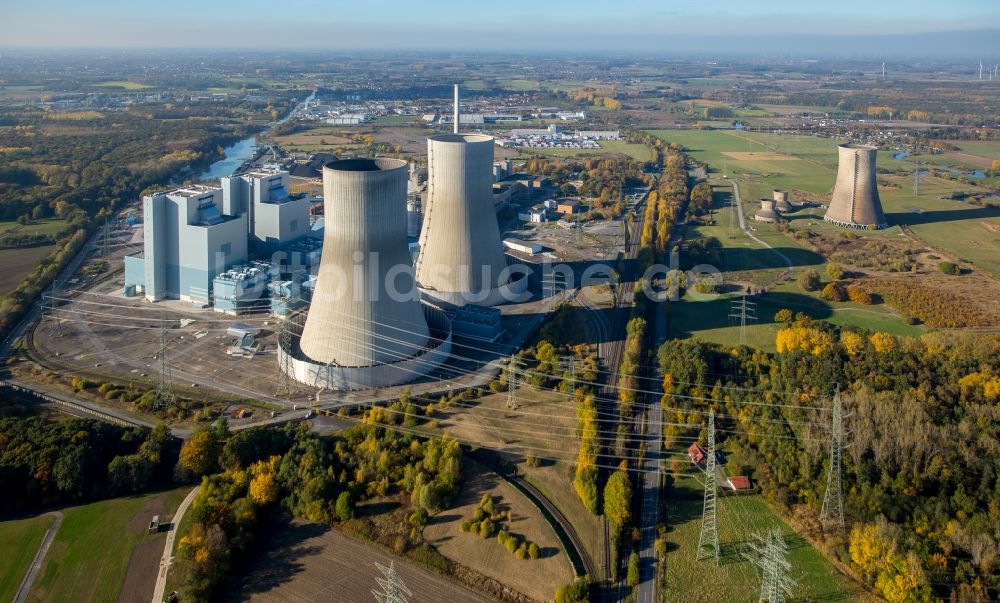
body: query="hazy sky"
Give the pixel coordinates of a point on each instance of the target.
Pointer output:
(572, 25)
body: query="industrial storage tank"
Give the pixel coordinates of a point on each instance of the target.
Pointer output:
(781, 201)
(462, 258)
(365, 326)
(855, 202)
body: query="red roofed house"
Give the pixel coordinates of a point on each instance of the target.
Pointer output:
(739, 482)
(696, 454)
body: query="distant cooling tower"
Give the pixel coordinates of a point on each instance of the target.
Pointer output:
(462, 259)
(855, 202)
(366, 327)
(781, 201)
(766, 212)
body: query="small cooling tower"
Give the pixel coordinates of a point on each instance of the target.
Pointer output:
(781, 201)
(766, 212)
(855, 202)
(462, 259)
(365, 327)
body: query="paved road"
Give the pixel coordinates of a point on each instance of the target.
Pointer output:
(168, 546)
(36, 565)
(747, 232)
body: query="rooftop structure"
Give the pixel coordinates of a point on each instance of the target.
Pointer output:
(855, 202)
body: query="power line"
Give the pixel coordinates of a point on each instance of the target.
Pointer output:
(164, 396)
(769, 552)
(393, 589)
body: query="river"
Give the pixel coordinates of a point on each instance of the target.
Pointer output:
(236, 154)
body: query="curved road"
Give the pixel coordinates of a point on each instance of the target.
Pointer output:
(168, 546)
(746, 230)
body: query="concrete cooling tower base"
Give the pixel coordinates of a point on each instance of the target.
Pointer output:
(516, 290)
(855, 226)
(346, 378)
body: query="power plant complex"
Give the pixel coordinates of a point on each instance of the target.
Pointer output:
(367, 326)
(855, 202)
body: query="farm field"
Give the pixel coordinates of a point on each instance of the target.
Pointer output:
(20, 542)
(49, 226)
(313, 562)
(736, 579)
(532, 577)
(18, 263)
(963, 230)
(102, 551)
(123, 84)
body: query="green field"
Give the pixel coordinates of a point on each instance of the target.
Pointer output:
(736, 579)
(123, 84)
(967, 231)
(49, 226)
(20, 542)
(91, 552)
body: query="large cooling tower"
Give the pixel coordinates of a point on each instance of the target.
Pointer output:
(855, 202)
(461, 257)
(365, 326)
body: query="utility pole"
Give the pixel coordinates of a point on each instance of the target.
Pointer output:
(745, 311)
(769, 552)
(512, 383)
(833, 499)
(393, 589)
(708, 540)
(164, 385)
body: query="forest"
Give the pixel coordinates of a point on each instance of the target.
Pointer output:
(48, 463)
(921, 485)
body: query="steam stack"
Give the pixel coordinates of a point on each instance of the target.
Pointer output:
(461, 259)
(781, 201)
(855, 202)
(366, 327)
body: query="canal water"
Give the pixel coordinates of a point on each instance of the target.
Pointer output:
(236, 154)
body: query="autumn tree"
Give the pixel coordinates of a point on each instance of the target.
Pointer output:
(200, 453)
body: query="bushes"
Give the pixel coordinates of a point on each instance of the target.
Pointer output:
(809, 280)
(834, 292)
(858, 295)
(487, 520)
(835, 271)
(948, 268)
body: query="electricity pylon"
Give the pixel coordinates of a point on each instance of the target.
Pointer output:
(570, 363)
(164, 384)
(708, 540)
(284, 371)
(769, 552)
(393, 589)
(512, 383)
(833, 499)
(745, 311)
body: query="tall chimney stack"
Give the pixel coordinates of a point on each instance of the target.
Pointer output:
(456, 110)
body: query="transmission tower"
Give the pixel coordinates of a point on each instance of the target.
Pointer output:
(708, 540)
(284, 372)
(570, 363)
(105, 246)
(769, 552)
(833, 499)
(512, 383)
(916, 181)
(164, 385)
(393, 590)
(745, 311)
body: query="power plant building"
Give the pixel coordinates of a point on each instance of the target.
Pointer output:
(366, 326)
(462, 258)
(855, 202)
(189, 239)
(274, 218)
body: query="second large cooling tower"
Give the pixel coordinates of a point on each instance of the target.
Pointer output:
(461, 257)
(365, 327)
(855, 202)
